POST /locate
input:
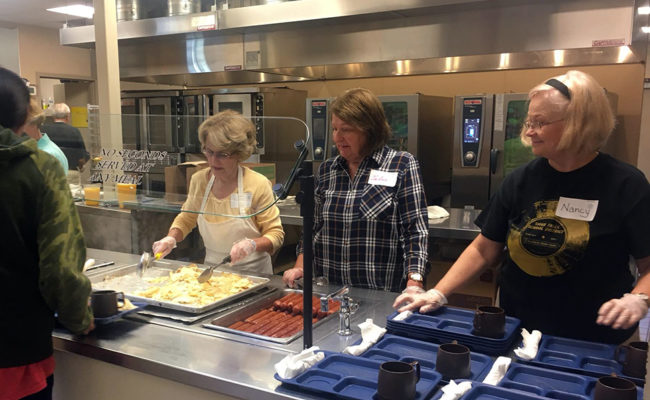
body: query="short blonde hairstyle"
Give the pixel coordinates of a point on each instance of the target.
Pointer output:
(35, 114)
(588, 116)
(360, 108)
(229, 131)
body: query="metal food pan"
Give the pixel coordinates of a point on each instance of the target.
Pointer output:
(223, 322)
(126, 280)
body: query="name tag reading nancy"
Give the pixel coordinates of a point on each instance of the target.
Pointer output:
(382, 178)
(581, 210)
(246, 200)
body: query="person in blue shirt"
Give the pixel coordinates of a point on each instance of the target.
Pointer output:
(35, 119)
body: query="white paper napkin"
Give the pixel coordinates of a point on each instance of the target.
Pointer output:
(370, 334)
(403, 315)
(293, 364)
(453, 391)
(498, 370)
(435, 212)
(530, 344)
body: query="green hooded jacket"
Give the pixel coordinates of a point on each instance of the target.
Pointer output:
(42, 252)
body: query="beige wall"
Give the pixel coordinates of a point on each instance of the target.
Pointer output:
(625, 80)
(42, 55)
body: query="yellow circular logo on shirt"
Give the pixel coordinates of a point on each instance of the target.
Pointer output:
(544, 244)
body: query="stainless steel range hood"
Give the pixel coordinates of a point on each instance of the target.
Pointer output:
(338, 39)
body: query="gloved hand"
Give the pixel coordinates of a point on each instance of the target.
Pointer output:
(413, 289)
(242, 249)
(430, 300)
(291, 275)
(622, 313)
(164, 246)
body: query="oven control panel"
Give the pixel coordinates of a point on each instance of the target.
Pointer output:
(472, 131)
(319, 128)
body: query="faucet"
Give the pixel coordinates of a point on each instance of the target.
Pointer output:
(348, 307)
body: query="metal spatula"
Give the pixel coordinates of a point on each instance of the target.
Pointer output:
(144, 264)
(205, 275)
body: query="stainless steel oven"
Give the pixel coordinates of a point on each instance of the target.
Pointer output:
(153, 121)
(486, 145)
(420, 124)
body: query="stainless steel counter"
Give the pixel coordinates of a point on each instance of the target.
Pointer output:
(212, 360)
(458, 225)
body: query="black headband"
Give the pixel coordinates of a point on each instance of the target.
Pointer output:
(561, 87)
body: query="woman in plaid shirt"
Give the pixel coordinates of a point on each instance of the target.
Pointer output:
(370, 218)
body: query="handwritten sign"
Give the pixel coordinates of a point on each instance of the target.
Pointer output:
(124, 165)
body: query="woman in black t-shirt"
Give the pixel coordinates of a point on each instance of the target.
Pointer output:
(567, 223)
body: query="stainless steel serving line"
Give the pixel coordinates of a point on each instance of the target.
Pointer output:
(213, 360)
(458, 225)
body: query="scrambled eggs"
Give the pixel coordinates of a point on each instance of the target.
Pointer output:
(181, 286)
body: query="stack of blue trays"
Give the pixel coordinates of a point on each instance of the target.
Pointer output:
(343, 376)
(391, 348)
(581, 357)
(448, 323)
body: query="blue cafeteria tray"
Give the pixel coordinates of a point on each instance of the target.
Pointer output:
(581, 357)
(481, 391)
(550, 383)
(447, 321)
(348, 377)
(115, 317)
(391, 347)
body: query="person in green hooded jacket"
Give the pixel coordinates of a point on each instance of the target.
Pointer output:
(43, 253)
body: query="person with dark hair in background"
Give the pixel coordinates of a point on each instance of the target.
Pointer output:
(370, 219)
(43, 253)
(567, 223)
(66, 136)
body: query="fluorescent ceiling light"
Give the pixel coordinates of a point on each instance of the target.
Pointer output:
(645, 29)
(77, 10)
(643, 10)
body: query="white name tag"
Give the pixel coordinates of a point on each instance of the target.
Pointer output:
(382, 178)
(581, 210)
(246, 200)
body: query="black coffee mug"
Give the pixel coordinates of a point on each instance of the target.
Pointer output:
(489, 322)
(636, 355)
(397, 380)
(105, 302)
(614, 388)
(454, 361)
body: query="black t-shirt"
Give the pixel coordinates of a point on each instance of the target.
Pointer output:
(559, 270)
(69, 139)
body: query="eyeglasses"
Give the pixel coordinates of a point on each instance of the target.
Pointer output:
(220, 155)
(536, 125)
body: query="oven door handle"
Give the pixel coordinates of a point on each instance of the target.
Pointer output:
(494, 157)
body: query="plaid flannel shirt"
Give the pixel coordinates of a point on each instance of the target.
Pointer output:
(369, 235)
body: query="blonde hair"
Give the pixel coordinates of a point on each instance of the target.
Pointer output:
(230, 132)
(360, 108)
(35, 114)
(588, 116)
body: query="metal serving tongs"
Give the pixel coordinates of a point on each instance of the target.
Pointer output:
(144, 264)
(207, 273)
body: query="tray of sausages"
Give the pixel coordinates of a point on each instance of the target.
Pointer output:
(276, 318)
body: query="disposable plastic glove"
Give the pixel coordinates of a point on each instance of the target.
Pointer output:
(163, 247)
(242, 249)
(428, 301)
(622, 313)
(413, 289)
(291, 275)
